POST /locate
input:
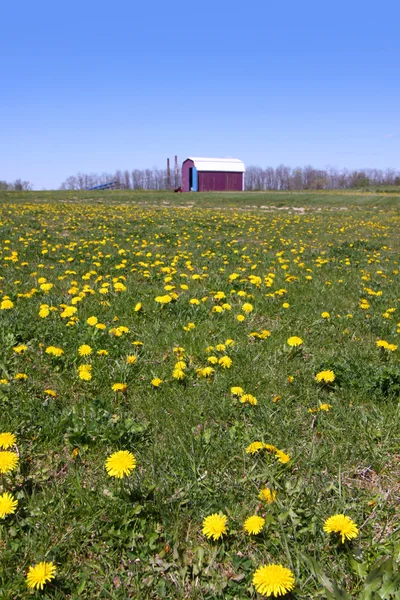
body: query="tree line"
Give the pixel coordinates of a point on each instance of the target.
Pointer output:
(137, 179)
(18, 185)
(256, 179)
(309, 178)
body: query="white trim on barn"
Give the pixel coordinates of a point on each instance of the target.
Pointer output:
(230, 165)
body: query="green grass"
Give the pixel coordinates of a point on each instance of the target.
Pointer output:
(370, 197)
(143, 537)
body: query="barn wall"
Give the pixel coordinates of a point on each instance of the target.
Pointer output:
(210, 181)
(185, 174)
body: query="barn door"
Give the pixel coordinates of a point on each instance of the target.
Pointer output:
(195, 180)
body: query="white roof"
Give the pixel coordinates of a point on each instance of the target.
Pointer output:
(233, 165)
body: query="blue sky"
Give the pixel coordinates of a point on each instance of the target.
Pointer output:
(96, 86)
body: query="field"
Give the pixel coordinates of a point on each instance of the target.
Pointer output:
(183, 329)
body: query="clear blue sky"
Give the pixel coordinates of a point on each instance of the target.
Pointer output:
(95, 86)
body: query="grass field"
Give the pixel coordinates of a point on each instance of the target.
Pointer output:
(126, 320)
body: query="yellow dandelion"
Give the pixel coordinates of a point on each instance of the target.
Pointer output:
(282, 456)
(240, 318)
(7, 440)
(225, 362)
(92, 321)
(248, 399)
(164, 299)
(8, 461)
(325, 315)
(8, 505)
(50, 392)
(247, 307)
(20, 349)
(212, 359)
(214, 526)
(255, 447)
(343, 525)
(273, 580)
(138, 307)
(294, 341)
(21, 376)
(253, 525)
(85, 372)
(178, 374)
(54, 351)
(44, 311)
(120, 463)
(205, 372)
(119, 387)
(325, 376)
(84, 350)
(40, 574)
(6, 305)
(237, 391)
(267, 495)
(131, 359)
(156, 382)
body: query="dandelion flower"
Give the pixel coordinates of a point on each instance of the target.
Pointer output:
(119, 387)
(138, 307)
(273, 580)
(267, 495)
(44, 311)
(255, 447)
(120, 463)
(8, 461)
(253, 525)
(6, 305)
(92, 321)
(294, 341)
(240, 318)
(282, 456)
(50, 392)
(20, 349)
(325, 377)
(40, 574)
(7, 440)
(85, 372)
(248, 399)
(343, 525)
(54, 351)
(156, 382)
(84, 350)
(21, 376)
(237, 391)
(163, 299)
(325, 315)
(225, 362)
(214, 526)
(205, 372)
(247, 307)
(8, 505)
(131, 359)
(178, 374)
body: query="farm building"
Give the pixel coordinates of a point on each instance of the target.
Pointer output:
(212, 175)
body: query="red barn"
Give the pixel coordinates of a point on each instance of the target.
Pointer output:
(212, 175)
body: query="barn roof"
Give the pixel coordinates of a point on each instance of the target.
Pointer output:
(233, 165)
